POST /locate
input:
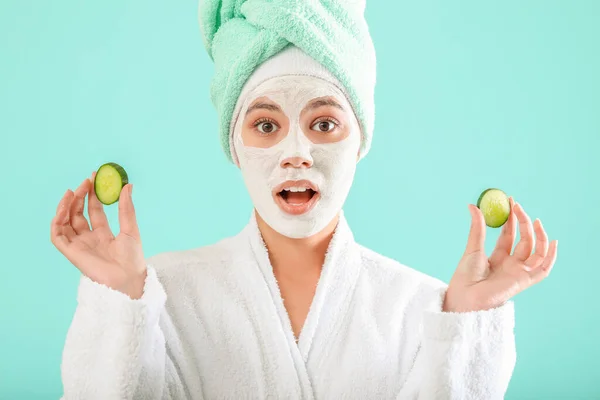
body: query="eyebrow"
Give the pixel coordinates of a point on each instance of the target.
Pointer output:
(324, 102)
(311, 106)
(263, 106)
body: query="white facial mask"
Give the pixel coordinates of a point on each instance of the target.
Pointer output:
(333, 164)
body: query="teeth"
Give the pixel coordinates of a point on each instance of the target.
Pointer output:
(295, 189)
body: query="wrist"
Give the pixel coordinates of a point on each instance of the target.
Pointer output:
(467, 303)
(135, 286)
(459, 302)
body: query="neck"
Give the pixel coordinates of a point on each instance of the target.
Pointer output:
(296, 257)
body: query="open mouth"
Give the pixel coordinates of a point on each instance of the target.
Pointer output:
(296, 197)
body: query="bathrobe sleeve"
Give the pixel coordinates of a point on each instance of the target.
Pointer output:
(464, 356)
(115, 348)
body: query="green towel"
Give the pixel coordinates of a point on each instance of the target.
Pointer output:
(239, 35)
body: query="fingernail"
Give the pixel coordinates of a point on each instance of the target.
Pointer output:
(472, 210)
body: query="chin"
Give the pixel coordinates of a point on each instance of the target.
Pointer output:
(298, 226)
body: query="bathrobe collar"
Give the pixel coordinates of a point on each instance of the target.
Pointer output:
(331, 301)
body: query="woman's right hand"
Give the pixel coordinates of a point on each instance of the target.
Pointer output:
(117, 262)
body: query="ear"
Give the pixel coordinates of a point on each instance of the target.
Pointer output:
(235, 159)
(360, 144)
(232, 151)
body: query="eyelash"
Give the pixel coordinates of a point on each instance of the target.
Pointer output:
(330, 119)
(326, 119)
(262, 121)
(269, 120)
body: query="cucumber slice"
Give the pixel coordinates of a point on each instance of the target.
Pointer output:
(495, 206)
(110, 179)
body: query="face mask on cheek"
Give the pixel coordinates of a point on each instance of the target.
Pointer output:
(332, 165)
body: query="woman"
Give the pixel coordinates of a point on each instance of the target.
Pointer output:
(291, 307)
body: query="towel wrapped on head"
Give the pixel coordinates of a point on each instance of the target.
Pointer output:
(240, 35)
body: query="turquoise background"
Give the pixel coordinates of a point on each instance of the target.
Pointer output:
(470, 95)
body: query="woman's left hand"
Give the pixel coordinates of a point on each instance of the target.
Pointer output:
(482, 283)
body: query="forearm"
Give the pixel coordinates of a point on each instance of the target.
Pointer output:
(115, 347)
(464, 356)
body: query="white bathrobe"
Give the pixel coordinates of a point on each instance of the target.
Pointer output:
(212, 325)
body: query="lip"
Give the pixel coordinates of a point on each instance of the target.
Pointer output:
(296, 209)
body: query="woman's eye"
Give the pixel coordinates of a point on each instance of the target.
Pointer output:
(267, 127)
(323, 126)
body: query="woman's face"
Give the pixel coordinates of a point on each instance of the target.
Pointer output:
(297, 141)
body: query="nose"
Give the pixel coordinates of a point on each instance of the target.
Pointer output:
(297, 150)
(296, 162)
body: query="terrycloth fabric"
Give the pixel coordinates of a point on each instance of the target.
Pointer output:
(240, 35)
(212, 325)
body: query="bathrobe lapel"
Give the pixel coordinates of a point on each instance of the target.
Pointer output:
(330, 304)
